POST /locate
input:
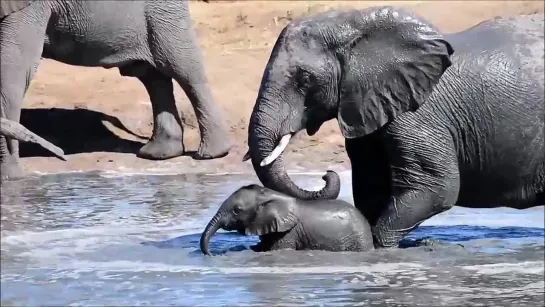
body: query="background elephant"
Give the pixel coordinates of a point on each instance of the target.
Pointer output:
(477, 141)
(284, 222)
(153, 41)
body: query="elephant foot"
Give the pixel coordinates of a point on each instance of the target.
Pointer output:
(162, 149)
(11, 170)
(213, 147)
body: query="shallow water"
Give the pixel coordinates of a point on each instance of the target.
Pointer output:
(107, 239)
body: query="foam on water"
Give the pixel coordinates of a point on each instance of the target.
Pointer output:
(138, 266)
(38, 173)
(526, 267)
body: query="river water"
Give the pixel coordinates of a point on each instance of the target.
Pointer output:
(133, 240)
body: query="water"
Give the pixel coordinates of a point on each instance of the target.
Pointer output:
(107, 239)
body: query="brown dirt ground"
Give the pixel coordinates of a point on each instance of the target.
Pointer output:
(236, 37)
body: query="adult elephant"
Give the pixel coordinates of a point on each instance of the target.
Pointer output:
(153, 41)
(426, 128)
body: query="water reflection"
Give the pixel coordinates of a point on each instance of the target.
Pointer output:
(134, 240)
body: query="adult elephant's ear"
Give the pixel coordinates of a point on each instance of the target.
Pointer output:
(271, 217)
(390, 60)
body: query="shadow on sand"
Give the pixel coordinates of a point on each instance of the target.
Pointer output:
(75, 131)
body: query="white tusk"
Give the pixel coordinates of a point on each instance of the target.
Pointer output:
(277, 151)
(246, 156)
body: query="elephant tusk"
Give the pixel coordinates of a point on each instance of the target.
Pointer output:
(277, 151)
(246, 156)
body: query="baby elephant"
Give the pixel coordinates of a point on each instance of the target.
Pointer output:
(283, 222)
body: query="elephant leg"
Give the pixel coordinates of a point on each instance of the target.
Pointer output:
(540, 199)
(215, 141)
(177, 55)
(22, 36)
(371, 175)
(167, 139)
(425, 181)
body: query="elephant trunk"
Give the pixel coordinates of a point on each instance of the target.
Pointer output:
(265, 131)
(17, 131)
(213, 226)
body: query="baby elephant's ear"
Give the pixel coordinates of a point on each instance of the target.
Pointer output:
(271, 217)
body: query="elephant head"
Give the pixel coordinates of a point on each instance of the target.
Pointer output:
(253, 210)
(362, 67)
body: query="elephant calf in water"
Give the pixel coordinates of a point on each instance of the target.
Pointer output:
(284, 222)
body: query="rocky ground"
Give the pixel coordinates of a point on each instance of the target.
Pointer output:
(101, 119)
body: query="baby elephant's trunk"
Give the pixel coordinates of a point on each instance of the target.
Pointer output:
(213, 226)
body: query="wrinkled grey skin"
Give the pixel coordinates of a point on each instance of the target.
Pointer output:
(153, 41)
(430, 121)
(284, 222)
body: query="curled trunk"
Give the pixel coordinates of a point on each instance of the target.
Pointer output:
(265, 130)
(274, 176)
(209, 231)
(17, 131)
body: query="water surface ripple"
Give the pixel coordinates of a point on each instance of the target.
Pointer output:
(107, 239)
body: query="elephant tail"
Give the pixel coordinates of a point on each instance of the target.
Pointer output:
(17, 131)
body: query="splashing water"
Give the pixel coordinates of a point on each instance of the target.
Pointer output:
(132, 240)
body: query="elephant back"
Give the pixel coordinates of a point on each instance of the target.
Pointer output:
(9, 6)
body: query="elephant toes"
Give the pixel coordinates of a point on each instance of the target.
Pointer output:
(213, 149)
(11, 171)
(161, 149)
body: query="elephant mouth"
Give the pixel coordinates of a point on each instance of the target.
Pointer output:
(311, 130)
(316, 118)
(268, 241)
(312, 126)
(234, 227)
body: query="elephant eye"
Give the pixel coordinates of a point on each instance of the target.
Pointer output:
(237, 210)
(305, 78)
